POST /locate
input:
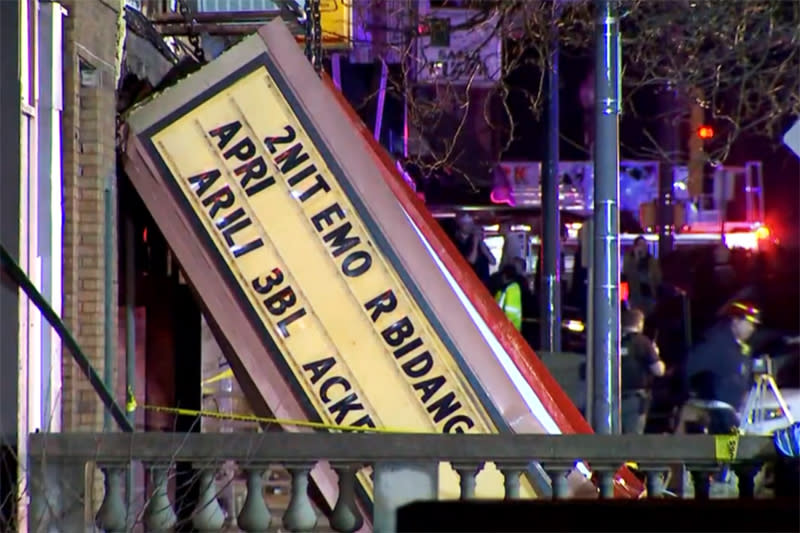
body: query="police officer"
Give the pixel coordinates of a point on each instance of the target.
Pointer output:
(509, 295)
(718, 369)
(639, 363)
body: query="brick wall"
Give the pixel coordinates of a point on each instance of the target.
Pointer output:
(90, 46)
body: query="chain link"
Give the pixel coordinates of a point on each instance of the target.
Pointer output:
(316, 16)
(309, 32)
(314, 34)
(194, 39)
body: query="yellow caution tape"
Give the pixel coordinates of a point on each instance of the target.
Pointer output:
(726, 447)
(130, 403)
(263, 420)
(228, 373)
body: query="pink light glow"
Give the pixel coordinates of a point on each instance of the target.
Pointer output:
(501, 195)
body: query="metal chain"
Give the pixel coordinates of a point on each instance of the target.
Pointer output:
(194, 39)
(309, 32)
(316, 17)
(314, 34)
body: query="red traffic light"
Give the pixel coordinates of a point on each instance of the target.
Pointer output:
(705, 132)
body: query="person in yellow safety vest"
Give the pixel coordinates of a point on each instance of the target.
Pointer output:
(509, 297)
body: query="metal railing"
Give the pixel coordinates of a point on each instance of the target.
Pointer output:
(60, 496)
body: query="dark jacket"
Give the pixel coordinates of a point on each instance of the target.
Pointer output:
(638, 355)
(717, 369)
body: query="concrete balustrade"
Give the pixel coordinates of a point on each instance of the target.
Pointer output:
(405, 469)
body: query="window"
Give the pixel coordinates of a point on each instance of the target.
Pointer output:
(88, 73)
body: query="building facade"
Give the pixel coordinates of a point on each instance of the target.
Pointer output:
(58, 71)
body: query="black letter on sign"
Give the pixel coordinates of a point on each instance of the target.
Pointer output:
(344, 406)
(263, 287)
(225, 133)
(362, 262)
(444, 407)
(325, 389)
(383, 303)
(283, 324)
(326, 216)
(418, 366)
(407, 348)
(230, 231)
(254, 170)
(319, 368)
(451, 427)
(255, 244)
(395, 334)
(278, 303)
(339, 240)
(240, 249)
(429, 387)
(243, 150)
(202, 182)
(303, 174)
(226, 221)
(364, 421)
(270, 142)
(291, 158)
(319, 185)
(221, 199)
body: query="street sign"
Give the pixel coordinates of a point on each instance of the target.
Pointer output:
(792, 138)
(468, 56)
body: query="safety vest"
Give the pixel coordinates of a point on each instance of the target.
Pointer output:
(510, 301)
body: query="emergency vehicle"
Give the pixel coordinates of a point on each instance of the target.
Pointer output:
(730, 210)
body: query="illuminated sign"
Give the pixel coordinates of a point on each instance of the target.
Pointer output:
(354, 339)
(336, 19)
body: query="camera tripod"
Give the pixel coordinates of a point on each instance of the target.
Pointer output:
(754, 411)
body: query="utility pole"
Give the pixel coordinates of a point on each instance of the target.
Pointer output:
(605, 267)
(668, 135)
(550, 264)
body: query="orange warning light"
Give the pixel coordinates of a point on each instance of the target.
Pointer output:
(705, 132)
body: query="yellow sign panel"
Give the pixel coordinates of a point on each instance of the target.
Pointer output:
(354, 338)
(336, 17)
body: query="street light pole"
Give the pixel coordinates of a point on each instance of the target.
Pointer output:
(605, 267)
(550, 264)
(669, 140)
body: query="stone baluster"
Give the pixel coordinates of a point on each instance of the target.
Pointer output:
(467, 474)
(681, 480)
(208, 515)
(511, 474)
(111, 517)
(300, 515)
(255, 516)
(654, 480)
(701, 479)
(746, 479)
(57, 490)
(605, 480)
(558, 473)
(158, 512)
(346, 517)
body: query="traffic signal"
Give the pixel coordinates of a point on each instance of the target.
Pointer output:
(705, 132)
(699, 132)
